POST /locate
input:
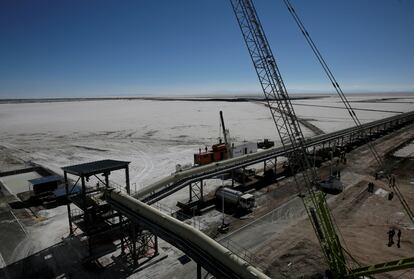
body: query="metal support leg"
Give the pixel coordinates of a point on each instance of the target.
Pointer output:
(243, 176)
(127, 186)
(106, 180)
(198, 271)
(156, 245)
(68, 204)
(134, 245)
(86, 216)
(201, 191)
(122, 235)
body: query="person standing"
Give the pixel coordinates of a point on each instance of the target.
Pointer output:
(391, 234)
(398, 238)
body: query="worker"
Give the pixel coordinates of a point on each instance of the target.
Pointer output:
(390, 196)
(391, 234)
(339, 174)
(206, 149)
(399, 238)
(371, 187)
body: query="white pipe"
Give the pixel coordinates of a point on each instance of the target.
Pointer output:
(191, 235)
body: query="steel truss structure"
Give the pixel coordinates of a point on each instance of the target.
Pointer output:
(103, 225)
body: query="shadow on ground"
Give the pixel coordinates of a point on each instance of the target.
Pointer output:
(63, 260)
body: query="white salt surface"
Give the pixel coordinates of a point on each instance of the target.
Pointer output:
(381, 192)
(159, 120)
(329, 114)
(157, 135)
(153, 135)
(44, 233)
(18, 183)
(406, 151)
(2, 263)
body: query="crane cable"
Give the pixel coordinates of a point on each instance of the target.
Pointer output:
(339, 91)
(345, 101)
(335, 84)
(348, 106)
(331, 77)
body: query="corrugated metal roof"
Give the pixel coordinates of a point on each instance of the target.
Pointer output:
(92, 168)
(46, 179)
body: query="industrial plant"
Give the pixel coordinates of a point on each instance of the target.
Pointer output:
(315, 186)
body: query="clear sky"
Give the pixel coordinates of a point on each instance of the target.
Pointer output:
(163, 47)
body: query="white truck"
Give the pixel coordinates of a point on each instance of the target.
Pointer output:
(235, 198)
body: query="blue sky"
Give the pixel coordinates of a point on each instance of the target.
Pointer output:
(183, 47)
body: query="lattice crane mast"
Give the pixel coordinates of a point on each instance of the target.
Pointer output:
(290, 132)
(291, 135)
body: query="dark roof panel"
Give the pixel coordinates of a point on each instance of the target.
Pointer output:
(46, 179)
(95, 167)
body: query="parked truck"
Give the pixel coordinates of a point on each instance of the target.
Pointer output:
(235, 198)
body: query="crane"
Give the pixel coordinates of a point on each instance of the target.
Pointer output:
(226, 136)
(289, 131)
(291, 135)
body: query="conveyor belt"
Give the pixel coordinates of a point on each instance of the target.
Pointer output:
(170, 184)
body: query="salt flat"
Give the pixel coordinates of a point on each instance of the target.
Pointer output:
(18, 183)
(157, 135)
(154, 136)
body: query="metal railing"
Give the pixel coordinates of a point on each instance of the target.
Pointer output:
(243, 253)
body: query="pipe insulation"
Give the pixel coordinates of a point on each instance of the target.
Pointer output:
(194, 237)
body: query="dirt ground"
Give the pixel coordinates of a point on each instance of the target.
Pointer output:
(363, 218)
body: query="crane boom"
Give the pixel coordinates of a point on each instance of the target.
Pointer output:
(226, 140)
(289, 130)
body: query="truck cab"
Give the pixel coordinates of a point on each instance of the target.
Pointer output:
(247, 201)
